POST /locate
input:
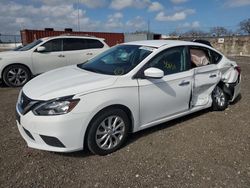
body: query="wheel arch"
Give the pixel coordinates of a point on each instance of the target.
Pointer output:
(16, 64)
(113, 106)
(226, 89)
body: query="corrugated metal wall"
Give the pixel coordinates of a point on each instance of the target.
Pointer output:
(29, 36)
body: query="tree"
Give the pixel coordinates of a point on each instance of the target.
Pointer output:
(174, 34)
(194, 33)
(219, 31)
(245, 26)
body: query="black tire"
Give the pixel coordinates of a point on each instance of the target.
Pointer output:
(220, 99)
(96, 125)
(16, 75)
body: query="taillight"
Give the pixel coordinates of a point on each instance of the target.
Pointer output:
(238, 69)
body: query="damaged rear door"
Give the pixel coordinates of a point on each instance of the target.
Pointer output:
(206, 76)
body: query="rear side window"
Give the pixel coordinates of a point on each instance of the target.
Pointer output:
(199, 57)
(92, 43)
(71, 44)
(170, 61)
(216, 57)
(54, 45)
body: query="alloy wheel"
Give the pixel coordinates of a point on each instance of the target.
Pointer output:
(219, 97)
(17, 76)
(110, 132)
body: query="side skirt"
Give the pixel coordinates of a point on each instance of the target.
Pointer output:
(175, 116)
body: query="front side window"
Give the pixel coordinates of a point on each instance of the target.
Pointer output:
(118, 60)
(54, 45)
(170, 61)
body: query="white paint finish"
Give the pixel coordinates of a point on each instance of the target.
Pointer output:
(153, 73)
(151, 101)
(205, 80)
(45, 61)
(66, 81)
(160, 98)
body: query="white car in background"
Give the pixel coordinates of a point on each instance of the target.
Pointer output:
(128, 88)
(19, 66)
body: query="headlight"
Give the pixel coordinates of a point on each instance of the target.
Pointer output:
(56, 107)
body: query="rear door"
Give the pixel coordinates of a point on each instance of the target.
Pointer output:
(206, 75)
(53, 57)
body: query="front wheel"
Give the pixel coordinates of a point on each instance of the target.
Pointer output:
(16, 75)
(220, 99)
(108, 131)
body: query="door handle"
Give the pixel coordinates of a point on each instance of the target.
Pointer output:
(212, 76)
(89, 53)
(61, 55)
(184, 83)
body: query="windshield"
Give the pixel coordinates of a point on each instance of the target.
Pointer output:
(118, 60)
(31, 45)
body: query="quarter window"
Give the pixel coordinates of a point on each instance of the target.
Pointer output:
(215, 56)
(54, 45)
(92, 43)
(171, 61)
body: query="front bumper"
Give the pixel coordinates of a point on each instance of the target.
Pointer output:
(63, 133)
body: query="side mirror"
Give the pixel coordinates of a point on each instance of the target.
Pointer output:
(154, 73)
(41, 49)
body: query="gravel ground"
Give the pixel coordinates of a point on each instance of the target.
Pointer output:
(205, 149)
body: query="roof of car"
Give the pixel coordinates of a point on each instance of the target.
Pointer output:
(159, 43)
(72, 36)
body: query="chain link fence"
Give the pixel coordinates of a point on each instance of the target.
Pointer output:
(10, 38)
(8, 42)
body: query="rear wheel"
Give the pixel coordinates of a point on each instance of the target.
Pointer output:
(220, 99)
(108, 131)
(16, 75)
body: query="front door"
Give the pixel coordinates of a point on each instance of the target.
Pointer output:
(160, 98)
(52, 58)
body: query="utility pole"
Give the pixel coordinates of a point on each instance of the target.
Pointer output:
(78, 15)
(148, 29)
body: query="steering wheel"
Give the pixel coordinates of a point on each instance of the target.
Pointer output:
(119, 71)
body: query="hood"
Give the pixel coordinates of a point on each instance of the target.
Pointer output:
(66, 81)
(12, 54)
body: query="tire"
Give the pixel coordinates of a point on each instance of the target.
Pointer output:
(16, 75)
(108, 131)
(220, 99)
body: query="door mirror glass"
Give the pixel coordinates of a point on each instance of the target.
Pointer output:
(154, 73)
(41, 49)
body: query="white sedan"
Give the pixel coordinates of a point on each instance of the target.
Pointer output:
(128, 88)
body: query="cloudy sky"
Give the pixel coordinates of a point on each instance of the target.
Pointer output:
(163, 16)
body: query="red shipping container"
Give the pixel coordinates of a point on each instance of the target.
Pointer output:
(29, 36)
